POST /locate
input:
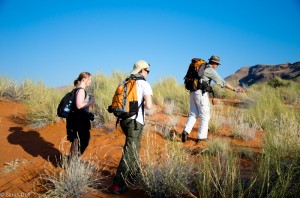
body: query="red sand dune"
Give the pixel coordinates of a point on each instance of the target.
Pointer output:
(19, 141)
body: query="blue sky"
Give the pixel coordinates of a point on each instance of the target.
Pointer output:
(54, 40)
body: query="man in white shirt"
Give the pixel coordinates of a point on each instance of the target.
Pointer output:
(133, 126)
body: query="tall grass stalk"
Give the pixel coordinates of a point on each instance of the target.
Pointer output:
(219, 176)
(278, 170)
(216, 119)
(163, 171)
(283, 137)
(276, 177)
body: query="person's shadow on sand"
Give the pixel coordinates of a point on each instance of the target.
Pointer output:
(34, 144)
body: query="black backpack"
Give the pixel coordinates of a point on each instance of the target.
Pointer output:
(191, 79)
(66, 104)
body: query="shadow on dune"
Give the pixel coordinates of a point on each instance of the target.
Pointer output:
(34, 144)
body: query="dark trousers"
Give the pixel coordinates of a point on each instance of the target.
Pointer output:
(133, 131)
(80, 140)
(78, 131)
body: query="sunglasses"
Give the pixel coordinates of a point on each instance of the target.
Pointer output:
(147, 71)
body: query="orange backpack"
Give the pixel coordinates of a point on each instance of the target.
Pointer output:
(125, 101)
(191, 79)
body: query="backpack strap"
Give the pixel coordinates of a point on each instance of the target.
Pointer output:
(143, 112)
(208, 84)
(76, 92)
(136, 77)
(200, 75)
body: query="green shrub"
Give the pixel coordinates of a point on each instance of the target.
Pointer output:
(278, 82)
(289, 91)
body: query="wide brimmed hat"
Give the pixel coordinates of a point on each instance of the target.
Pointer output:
(215, 59)
(138, 66)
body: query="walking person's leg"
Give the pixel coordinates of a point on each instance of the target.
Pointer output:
(130, 153)
(194, 112)
(84, 139)
(204, 114)
(74, 148)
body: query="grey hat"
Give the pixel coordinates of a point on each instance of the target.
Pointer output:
(139, 65)
(215, 59)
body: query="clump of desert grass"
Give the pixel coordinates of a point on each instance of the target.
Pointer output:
(74, 176)
(216, 119)
(41, 102)
(240, 127)
(168, 90)
(267, 106)
(278, 165)
(163, 171)
(289, 91)
(13, 166)
(218, 175)
(168, 128)
(217, 146)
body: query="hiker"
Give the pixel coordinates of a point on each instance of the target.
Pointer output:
(133, 127)
(199, 101)
(78, 123)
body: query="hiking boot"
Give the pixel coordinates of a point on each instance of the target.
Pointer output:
(118, 190)
(184, 136)
(201, 140)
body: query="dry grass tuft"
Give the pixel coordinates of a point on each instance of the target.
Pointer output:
(13, 166)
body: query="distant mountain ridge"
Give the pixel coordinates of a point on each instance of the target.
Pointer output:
(261, 73)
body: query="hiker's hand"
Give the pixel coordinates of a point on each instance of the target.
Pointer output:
(240, 90)
(92, 100)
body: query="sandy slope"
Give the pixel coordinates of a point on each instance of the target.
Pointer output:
(40, 146)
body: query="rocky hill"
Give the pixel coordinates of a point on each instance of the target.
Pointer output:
(262, 73)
